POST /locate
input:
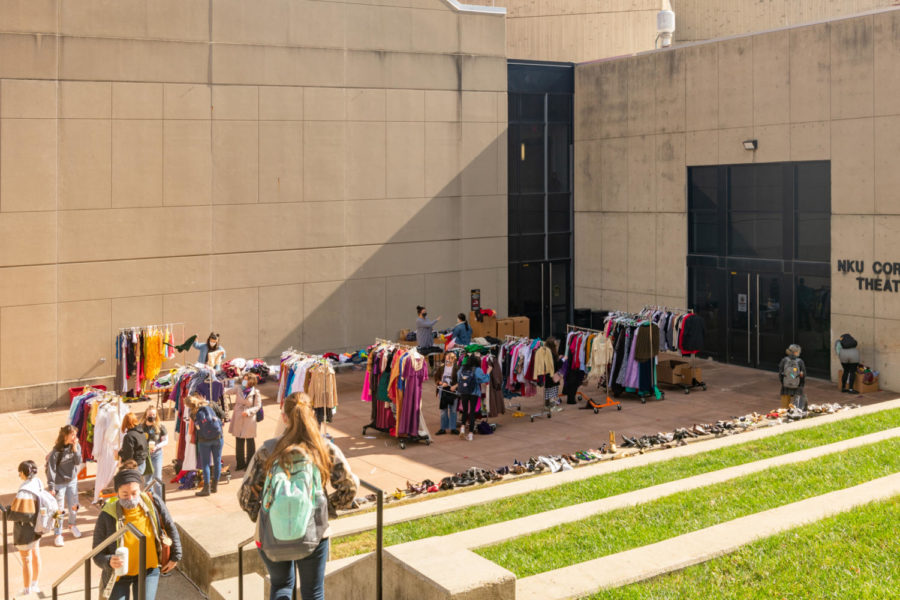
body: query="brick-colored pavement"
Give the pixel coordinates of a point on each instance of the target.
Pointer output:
(378, 459)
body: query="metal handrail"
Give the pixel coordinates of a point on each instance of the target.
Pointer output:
(162, 486)
(379, 547)
(142, 563)
(5, 511)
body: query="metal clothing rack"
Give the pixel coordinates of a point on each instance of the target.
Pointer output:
(659, 394)
(694, 383)
(546, 409)
(172, 327)
(580, 395)
(401, 440)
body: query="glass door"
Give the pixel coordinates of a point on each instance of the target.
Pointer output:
(756, 325)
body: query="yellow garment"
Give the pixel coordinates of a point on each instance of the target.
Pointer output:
(144, 524)
(543, 362)
(153, 358)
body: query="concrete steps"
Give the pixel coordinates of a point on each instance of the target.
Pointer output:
(256, 587)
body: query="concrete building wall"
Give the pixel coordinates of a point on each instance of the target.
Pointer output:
(822, 92)
(285, 172)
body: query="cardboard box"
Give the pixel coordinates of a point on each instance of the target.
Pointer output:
(403, 333)
(858, 385)
(677, 372)
(486, 327)
(505, 327)
(521, 326)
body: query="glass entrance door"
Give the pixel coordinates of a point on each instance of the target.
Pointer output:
(541, 293)
(756, 327)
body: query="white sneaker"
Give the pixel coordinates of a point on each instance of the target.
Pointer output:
(35, 589)
(469, 436)
(462, 431)
(75, 532)
(58, 541)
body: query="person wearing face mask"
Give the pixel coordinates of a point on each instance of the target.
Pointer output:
(157, 439)
(425, 332)
(149, 515)
(247, 403)
(210, 347)
(301, 444)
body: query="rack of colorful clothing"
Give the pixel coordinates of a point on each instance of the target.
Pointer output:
(594, 351)
(527, 364)
(140, 353)
(634, 339)
(492, 402)
(395, 374)
(683, 331)
(98, 416)
(312, 374)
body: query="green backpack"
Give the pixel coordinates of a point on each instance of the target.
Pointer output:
(294, 511)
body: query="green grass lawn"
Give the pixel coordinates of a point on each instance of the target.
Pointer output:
(620, 482)
(849, 556)
(670, 516)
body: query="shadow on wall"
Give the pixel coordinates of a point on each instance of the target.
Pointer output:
(398, 254)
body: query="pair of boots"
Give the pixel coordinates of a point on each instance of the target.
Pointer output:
(208, 487)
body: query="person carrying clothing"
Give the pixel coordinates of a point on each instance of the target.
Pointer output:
(207, 419)
(792, 375)
(425, 332)
(847, 350)
(247, 403)
(24, 513)
(210, 346)
(149, 515)
(63, 464)
(469, 380)
(462, 331)
(134, 444)
(448, 399)
(299, 448)
(157, 439)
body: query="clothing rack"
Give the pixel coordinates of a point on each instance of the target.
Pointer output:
(636, 319)
(589, 402)
(394, 343)
(694, 382)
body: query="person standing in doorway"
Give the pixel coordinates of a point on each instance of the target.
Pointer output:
(425, 332)
(847, 350)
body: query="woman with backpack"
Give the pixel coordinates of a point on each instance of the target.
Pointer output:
(284, 477)
(151, 517)
(848, 353)
(469, 380)
(134, 444)
(247, 404)
(792, 374)
(63, 464)
(207, 419)
(25, 512)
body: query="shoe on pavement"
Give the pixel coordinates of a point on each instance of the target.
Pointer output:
(58, 541)
(75, 532)
(440, 432)
(454, 431)
(469, 436)
(35, 589)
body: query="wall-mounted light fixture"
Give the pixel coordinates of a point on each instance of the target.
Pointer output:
(522, 150)
(750, 144)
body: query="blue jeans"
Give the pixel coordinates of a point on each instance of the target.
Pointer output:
(310, 569)
(210, 454)
(448, 416)
(67, 498)
(156, 461)
(129, 583)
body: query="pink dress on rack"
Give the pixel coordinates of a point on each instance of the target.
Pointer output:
(415, 371)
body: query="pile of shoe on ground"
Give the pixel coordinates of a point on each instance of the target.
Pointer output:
(506, 523)
(565, 462)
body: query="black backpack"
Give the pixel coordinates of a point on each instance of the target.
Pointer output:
(847, 341)
(466, 381)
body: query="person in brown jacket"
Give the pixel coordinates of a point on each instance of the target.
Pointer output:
(247, 403)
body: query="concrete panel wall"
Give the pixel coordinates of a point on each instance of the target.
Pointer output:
(819, 92)
(287, 173)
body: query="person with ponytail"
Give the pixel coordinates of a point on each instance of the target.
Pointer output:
(462, 332)
(301, 441)
(24, 513)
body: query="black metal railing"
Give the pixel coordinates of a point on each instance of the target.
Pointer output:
(162, 486)
(379, 547)
(142, 563)
(5, 511)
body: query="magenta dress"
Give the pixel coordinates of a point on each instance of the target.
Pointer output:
(411, 407)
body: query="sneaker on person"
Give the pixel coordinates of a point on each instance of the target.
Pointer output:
(58, 541)
(462, 432)
(75, 532)
(469, 436)
(35, 589)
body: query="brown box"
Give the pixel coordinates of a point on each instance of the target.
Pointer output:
(403, 334)
(521, 326)
(486, 327)
(505, 327)
(858, 385)
(676, 372)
